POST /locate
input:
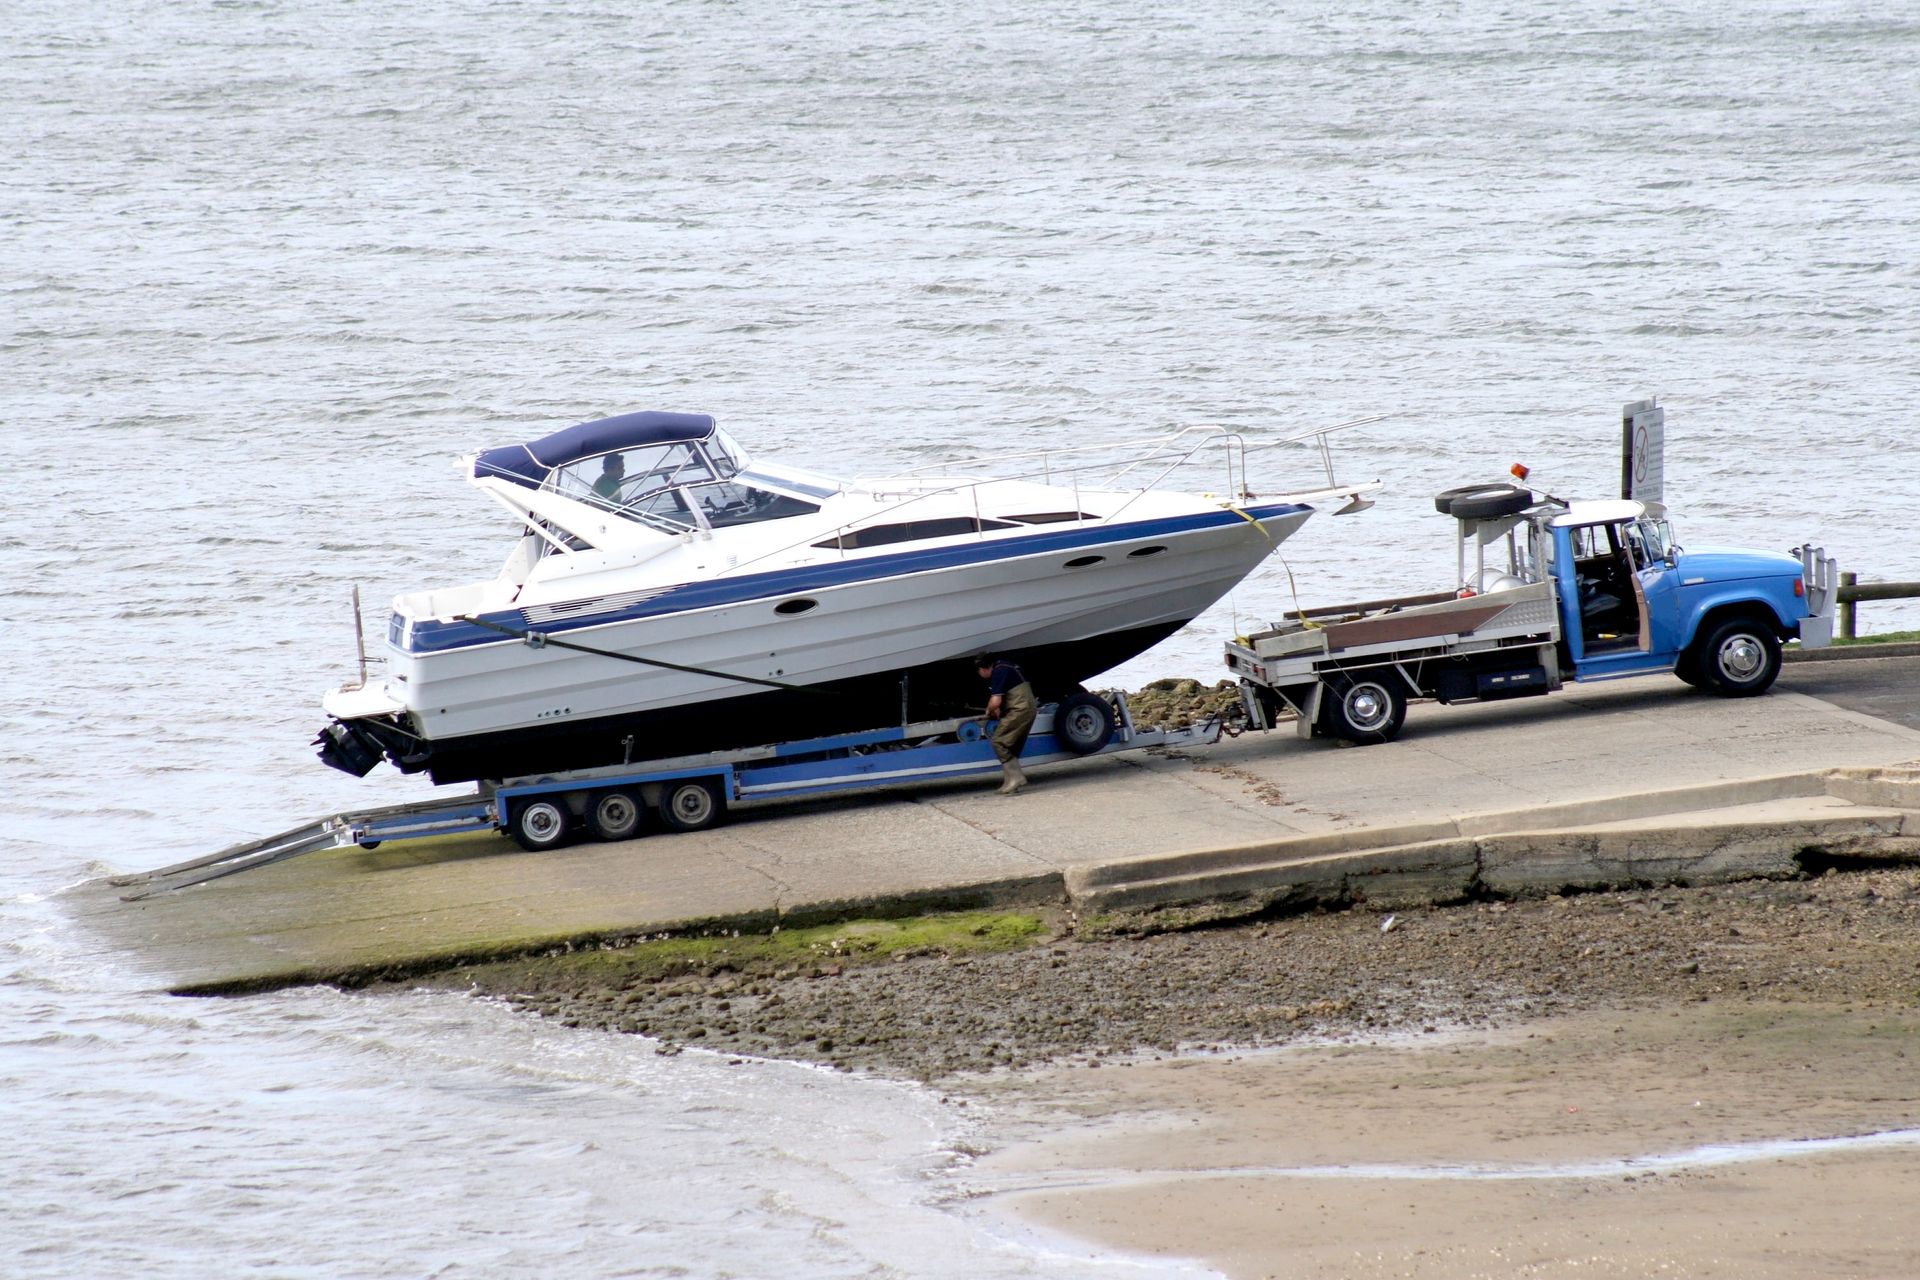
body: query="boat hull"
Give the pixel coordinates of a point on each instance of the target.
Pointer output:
(934, 692)
(849, 646)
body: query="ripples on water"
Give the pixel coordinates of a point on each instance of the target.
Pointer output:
(269, 267)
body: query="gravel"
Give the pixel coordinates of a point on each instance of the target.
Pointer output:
(1848, 936)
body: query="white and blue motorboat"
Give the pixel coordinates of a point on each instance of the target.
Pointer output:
(668, 593)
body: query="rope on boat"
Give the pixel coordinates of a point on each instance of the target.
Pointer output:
(541, 640)
(1298, 611)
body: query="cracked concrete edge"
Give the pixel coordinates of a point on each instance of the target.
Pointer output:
(1509, 864)
(1647, 804)
(1877, 786)
(1087, 877)
(1534, 864)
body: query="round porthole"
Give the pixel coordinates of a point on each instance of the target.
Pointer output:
(1141, 553)
(795, 607)
(1081, 562)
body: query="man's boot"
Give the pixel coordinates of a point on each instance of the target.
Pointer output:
(1010, 770)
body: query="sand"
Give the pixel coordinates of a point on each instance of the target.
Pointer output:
(1509, 1151)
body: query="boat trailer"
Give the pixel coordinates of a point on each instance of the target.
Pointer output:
(691, 793)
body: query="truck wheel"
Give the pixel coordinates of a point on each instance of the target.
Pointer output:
(1363, 708)
(614, 815)
(1510, 497)
(691, 804)
(1740, 658)
(537, 825)
(1083, 723)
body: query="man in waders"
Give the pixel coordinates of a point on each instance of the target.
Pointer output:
(1009, 697)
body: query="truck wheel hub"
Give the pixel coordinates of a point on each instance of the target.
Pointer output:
(1740, 657)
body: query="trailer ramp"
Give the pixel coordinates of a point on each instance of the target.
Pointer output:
(446, 815)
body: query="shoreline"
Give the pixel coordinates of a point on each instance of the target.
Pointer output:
(1180, 1098)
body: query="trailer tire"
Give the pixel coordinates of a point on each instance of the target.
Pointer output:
(1083, 723)
(1489, 502)
(691, 804)
(1363, 707)
(1740, 658)
(614, 815)
(538, 825)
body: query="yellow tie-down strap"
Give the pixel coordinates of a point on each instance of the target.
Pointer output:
(1305, 621)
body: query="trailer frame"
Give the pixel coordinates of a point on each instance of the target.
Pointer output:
(875, 760)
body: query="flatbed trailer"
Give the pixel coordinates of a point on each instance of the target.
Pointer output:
(690, 793)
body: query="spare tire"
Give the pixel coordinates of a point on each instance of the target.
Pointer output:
(1491, 502)
(1443, 501)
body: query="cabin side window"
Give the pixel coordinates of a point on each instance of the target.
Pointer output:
(881, 535)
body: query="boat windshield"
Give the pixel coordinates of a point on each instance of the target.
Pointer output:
(665, 485)
(625, 476)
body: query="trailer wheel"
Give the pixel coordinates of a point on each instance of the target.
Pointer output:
(1363, 708)
(1083, 723)
(614, 815)
(537, 825)
(1741, 658)
(691, 804)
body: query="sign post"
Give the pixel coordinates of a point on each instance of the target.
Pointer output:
(1643, 446)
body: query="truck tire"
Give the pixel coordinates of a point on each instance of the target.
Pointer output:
(1363, 707)
(614, 815)
(1083, 723)
(1740, 658)
(691, 804)
(539, 824)
(1491, 503)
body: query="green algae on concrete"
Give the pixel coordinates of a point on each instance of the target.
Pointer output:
(785, 952)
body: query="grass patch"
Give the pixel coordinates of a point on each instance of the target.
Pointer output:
(1880, 637)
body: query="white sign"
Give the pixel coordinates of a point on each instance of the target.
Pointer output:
(1643, 450)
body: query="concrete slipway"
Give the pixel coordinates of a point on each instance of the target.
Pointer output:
(1638, 781)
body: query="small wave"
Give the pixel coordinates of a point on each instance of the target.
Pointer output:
(1671, 330)
(1706, 1156)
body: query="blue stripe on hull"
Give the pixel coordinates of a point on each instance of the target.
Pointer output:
(430, 636)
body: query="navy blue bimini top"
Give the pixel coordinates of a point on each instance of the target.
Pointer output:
(528, 464)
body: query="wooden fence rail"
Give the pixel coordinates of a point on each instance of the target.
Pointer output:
(1852, 590)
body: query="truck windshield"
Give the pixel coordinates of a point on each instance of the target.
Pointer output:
(1647, 540)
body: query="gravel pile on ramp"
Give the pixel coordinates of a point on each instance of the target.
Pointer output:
(1175, 703)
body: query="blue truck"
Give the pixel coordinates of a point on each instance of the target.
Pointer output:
(1585, 590)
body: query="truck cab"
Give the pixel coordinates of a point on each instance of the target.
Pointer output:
(1632, 600)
